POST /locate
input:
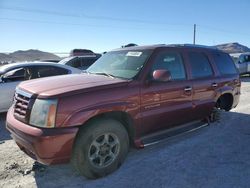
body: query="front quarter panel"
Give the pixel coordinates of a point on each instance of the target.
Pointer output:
(78, 109)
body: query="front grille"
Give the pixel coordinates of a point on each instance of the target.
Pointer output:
(22, 104)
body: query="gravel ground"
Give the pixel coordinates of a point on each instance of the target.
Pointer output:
(214, 156)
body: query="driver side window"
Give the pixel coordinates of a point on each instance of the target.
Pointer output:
(172, 62)
(14, 75)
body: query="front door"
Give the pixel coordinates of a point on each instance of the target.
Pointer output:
(166, 104)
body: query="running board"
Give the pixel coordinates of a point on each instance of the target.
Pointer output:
(173, 132)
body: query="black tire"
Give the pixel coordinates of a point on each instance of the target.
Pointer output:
(225, 104)
(100, 148)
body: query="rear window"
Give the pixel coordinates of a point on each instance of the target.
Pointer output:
(224, 64)
(200, 65)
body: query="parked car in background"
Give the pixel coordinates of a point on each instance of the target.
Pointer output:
(243, 63)
(81, 62)
(12, 74)
(130, 96)
(80, 58)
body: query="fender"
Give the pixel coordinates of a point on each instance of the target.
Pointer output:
(225, 90)
(81, 116)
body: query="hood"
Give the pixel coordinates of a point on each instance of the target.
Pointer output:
(68, 84)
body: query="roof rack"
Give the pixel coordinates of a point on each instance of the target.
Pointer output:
(192, 45)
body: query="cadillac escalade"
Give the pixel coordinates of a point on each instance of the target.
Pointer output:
(132, 96)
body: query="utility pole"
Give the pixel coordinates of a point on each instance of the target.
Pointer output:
(194, 33)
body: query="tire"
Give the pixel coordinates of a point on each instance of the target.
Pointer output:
(225, 104)
(100, 148)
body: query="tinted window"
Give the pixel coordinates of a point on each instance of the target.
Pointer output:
(76, 62)
(224, 63)
(17, 74)
(171, 62)
(200, 65)
(44, 71)
(87, 62)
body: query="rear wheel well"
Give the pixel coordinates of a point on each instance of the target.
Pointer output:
(225, 102)
(123, 117)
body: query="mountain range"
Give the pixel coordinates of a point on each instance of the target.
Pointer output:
(233, 48)
(36, 55)
(28, 55)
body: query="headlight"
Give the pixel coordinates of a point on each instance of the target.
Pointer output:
(43, 113)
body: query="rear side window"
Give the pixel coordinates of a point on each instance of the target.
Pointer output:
(172, 62)
(45, 71)
(200, 65)
(76, 63)
(87, 62)
(224, 64)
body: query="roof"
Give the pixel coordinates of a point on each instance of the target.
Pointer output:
(152, 47)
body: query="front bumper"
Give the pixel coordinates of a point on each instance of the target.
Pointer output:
(46, 145)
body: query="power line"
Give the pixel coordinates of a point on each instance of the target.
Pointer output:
(83, 15)
(85, 25)
(211, 28)
(21, 9)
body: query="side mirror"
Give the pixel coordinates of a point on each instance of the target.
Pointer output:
(161, 75)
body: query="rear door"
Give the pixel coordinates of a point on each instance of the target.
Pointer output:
(166, 104)
(204, 84)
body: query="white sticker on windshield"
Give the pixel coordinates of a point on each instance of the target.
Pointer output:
(135, 54)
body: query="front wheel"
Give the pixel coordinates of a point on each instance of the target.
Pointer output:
(100, 148)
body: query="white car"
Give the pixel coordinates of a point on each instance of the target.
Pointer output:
(12, 74)
(243, 63)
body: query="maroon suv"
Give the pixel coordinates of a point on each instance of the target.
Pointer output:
(130, 96)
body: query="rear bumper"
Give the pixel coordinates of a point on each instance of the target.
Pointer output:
(48, 146)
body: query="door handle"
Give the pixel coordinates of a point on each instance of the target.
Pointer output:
(188, 89)
(214, 84)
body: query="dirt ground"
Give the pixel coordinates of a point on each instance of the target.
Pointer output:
(214, 156)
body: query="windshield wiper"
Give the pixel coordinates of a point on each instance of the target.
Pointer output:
(103, 73)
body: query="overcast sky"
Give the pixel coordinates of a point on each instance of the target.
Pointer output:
(102, 25)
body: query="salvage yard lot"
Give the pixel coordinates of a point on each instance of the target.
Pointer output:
(214, 156)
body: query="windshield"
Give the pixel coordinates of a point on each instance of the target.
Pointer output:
(121, 64)
(65, 60)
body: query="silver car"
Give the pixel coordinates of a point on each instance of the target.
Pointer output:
(243, 63)
(12, 74)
